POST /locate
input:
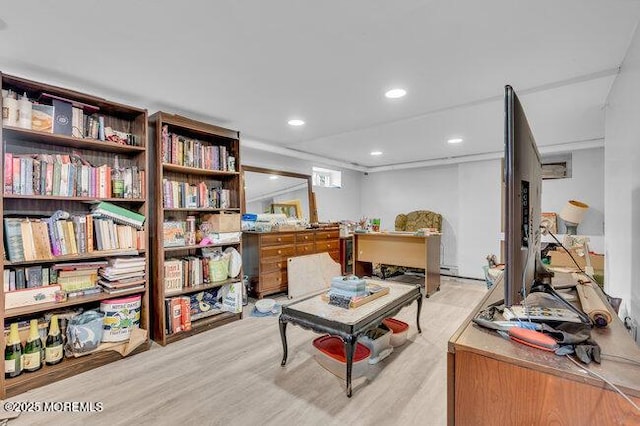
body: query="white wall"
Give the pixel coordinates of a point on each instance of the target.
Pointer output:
(622, 183)
(586, 184)
(468, 197)
(386, 194)
(332, 203)
(480, 211)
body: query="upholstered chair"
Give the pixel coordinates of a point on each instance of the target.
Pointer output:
(418, 219)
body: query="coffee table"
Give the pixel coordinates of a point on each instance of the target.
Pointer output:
(314, 313)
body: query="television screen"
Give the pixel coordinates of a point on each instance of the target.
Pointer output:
(522, 211)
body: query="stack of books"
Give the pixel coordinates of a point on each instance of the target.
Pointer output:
(78, 279)
(123, 274)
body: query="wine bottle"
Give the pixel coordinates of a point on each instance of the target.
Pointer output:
(33, 348)
(117, 180)
(53, 348)
(13, 353)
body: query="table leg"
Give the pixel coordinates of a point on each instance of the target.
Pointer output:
(283, 336)
(350, 343)
(419, 299)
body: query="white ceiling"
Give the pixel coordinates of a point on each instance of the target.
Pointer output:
(251, 65)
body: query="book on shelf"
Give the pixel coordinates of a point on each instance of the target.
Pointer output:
(84, 292)
(173, 233)
(188, 195)
(176, 314)
(66, 176)
(13, 239)
(188, 152)
(172, 276)
(62, 117)
(118, 214)
(122, 290)
(42, 118)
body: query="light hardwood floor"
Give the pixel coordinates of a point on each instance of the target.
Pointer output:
(232, 376)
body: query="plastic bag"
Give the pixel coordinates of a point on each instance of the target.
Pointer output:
(232, 297)
(84, 332)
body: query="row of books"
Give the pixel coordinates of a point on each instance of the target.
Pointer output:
(71, 277)
(183, 151)
(44, 239)
(65, 175)
(189, 271)
(185, 195)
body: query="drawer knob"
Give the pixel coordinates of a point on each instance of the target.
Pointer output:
(279, 251)
(279, 239)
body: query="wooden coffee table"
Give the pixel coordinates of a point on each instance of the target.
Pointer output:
(313, 313)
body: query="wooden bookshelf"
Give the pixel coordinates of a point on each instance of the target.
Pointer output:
(20, 142)
(173, 167)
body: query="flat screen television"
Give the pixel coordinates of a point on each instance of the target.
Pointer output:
(522, 210)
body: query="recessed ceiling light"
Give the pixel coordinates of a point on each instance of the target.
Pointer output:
(273, 177)
(296, 122)
(395, 93)
(376, 152)
(454, 140)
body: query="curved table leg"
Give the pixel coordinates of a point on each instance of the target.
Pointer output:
(419, 300)
(349, 350)
(283, 336)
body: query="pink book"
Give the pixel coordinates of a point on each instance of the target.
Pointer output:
(16, 176)
(8, 173)
(48, 182)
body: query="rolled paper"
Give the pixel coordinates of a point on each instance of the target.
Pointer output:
(592, 304)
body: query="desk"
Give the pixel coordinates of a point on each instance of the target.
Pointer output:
(492, 381)
(399, 249)
(316, 314)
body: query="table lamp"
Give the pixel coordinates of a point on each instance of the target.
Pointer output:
(572, 214)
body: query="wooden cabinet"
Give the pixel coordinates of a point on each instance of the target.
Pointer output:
(191, 155)
(265, 255)
(492, 381)
(78, 156)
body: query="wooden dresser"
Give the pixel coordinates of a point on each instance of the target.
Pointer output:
(265, 254)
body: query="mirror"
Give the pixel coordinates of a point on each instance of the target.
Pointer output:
(277, 191)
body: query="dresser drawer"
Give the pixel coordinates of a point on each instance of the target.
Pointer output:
(330, 245)
(277, 239)
(278, 252)
(327, 235)
(304, 237)
(302, 249)
(273, 280)
(267, 265)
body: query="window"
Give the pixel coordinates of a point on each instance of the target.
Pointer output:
(327, 178)
(556, 166)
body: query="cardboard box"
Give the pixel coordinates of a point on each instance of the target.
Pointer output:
(30, 296)
(562, 259)
(223, 222)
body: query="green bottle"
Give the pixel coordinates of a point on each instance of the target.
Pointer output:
(13, 353)
(33, 348)
(53, 348)
(117, 180)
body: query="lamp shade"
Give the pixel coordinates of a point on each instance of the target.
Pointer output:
(574, 211)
